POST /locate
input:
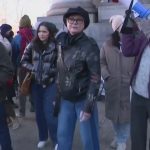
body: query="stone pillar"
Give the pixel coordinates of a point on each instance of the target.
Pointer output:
(145, 1)
(59, 7)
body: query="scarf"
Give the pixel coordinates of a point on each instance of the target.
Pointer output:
(26, 37)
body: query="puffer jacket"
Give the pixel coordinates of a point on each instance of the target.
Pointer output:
(82, 62)
(41, 64)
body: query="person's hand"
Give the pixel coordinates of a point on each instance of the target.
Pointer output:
(128, 12)
(84, 116)
(95, 78)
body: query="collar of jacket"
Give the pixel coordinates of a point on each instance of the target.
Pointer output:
(73, 39)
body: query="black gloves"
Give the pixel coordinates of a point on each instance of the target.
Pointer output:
(129, 23)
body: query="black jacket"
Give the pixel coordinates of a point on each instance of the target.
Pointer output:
(41, 64)
(6, 71)
(81, 63)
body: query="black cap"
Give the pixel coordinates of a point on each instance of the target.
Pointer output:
(4, 28)
(79, 11)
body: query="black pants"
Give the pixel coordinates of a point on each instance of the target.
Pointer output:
(140, 112)
(5, 141)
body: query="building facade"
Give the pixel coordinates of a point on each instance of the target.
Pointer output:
(99, 10)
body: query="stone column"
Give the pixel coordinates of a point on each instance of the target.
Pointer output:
(145, 1)
(59, 7)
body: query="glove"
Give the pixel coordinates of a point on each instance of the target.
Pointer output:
(128, 12)
(129, 23)
(127, 27)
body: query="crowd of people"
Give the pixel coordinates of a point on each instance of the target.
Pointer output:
(67, 67)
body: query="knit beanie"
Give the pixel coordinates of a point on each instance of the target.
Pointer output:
(77, 11)
(116, 22)
(25, 22)
(5, 28)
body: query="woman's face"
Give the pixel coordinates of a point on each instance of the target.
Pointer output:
(43, 33)
(75, 24)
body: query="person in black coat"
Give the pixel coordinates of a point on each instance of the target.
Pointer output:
(6, 72)
(78, 79)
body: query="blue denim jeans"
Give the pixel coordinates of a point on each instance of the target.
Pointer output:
(44, 104)
(122, 132)
(5, 141)
(89, 130)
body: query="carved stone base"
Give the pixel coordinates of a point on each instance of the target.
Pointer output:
(59, 8)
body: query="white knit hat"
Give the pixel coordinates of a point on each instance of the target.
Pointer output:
(116, 22)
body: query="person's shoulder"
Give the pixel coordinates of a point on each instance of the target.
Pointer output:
(92, 40)
(1, 45)
(17, 37)
(89, 40)
(1, 38)
(108, 42)
(3, 51)
(61, 33)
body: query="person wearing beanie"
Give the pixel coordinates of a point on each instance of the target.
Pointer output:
(4, 29)
(116, 71)
(6, 35)
(19, 43)
(78, 79)
(116, 22)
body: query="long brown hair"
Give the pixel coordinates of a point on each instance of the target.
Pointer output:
(38, 44)
(115, 39)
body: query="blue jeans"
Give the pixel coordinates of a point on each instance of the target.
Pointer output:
(89, 130)
(44, 104)
(5, 141)
(122, 132)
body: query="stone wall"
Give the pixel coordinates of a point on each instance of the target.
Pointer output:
(99, 28)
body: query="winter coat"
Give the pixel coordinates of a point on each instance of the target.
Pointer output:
(7, 44)
(116, 71)
(134, 45)
(41, 64)
(6, 71)
(16, 48)
(81, 58)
